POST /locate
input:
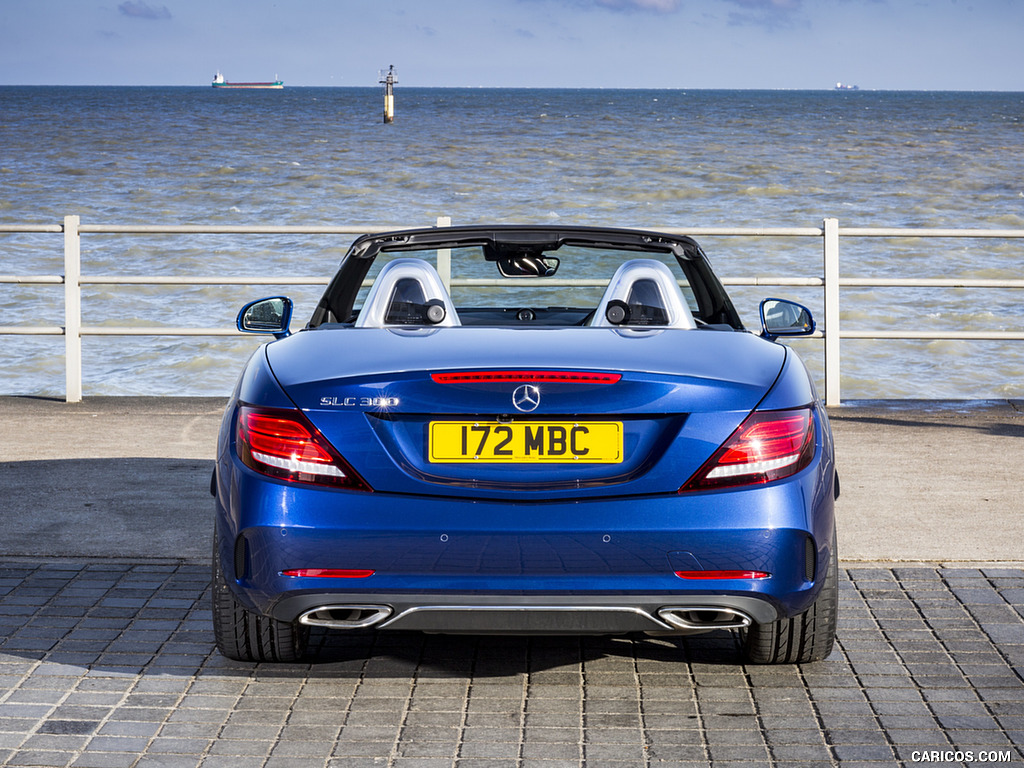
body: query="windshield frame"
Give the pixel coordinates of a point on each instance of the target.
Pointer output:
(337, 305)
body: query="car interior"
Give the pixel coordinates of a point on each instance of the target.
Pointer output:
(515, 285)
(408, 291)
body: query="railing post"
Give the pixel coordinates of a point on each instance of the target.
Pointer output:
(444, 257)
(72, 310)
(831, 266)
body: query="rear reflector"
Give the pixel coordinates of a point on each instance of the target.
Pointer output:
(769, 445)
(708, 575)
(557, 377)
(329, 573)
(284, 444)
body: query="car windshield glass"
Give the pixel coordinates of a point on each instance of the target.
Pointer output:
(476, 283)
(508, 276)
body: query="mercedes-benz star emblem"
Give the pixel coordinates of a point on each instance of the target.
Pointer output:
(526, 398)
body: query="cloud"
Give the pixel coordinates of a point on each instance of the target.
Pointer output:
(770, 5)
(650, 6)
(766, 13)
(623, 6)
(140, 9)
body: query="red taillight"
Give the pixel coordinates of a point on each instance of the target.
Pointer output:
(283, 444)
(329, 573)
(709, 575)
(557, 377)
(768, 446)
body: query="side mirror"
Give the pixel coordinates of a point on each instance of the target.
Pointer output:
(271, 315)
(780, 317)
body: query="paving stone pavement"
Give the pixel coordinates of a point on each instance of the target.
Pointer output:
(107, 664)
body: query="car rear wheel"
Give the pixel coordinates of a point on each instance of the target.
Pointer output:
(806, 637)
(246, 636)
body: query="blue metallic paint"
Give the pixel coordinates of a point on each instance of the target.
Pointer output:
(605, 539)
(554, 547)
(728, 363)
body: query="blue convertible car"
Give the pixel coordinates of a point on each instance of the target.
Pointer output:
(575, 436)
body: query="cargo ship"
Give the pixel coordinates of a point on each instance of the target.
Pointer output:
(220, 82)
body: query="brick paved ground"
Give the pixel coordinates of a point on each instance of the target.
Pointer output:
(111, 664)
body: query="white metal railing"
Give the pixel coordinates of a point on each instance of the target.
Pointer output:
(830, 282)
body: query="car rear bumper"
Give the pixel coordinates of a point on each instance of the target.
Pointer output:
(551, 614)
(594, 566)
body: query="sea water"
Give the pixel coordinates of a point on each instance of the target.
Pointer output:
(643, 158)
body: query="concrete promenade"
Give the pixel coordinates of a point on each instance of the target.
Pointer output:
(106, 654)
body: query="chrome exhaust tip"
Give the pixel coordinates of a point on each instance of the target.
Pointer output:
(704, 617)
(345, 616)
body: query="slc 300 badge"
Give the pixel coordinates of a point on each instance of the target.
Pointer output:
(358, 402)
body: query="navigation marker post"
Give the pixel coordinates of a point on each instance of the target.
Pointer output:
(389, 80)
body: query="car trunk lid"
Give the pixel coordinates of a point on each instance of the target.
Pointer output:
(544, 412)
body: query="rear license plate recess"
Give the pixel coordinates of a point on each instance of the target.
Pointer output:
(524, 442)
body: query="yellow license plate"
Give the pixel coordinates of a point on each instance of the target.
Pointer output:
(496, 442)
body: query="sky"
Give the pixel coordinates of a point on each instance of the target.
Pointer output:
(774, 44)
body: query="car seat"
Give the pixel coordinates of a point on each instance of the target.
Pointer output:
(643, 292)
(407, 292)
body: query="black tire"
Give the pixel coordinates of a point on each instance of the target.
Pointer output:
(246, 636)
(806, 637)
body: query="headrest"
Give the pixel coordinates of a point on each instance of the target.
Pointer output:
(643, 292)
(407, 292)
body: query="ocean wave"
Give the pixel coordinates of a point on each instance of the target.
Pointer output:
(641, 158)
